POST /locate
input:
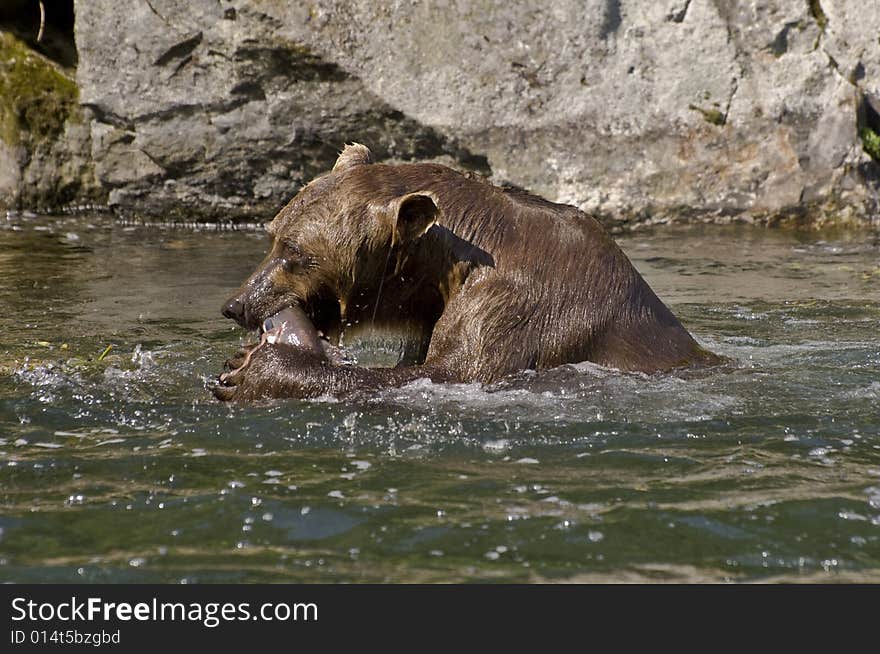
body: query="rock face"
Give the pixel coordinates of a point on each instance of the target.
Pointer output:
(222, 110)
(638, 111)
(45, 158)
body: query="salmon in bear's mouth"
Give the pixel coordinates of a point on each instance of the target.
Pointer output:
(292, 326)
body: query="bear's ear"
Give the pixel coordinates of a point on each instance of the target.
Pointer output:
(353, 154)
(412, 215)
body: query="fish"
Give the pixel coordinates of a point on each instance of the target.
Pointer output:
(291, 326)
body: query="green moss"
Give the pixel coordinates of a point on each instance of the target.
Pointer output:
(818, 14)
(870, 142)
(713, 116)
(36, 96)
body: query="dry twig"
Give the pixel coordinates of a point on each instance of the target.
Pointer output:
(42, 21)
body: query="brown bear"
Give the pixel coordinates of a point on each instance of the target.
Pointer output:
(483, 282)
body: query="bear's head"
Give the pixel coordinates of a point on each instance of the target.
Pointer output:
(333, 243)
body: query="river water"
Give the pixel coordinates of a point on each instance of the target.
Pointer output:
(125, 469)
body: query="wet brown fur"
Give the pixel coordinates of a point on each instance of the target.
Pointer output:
(486, 281)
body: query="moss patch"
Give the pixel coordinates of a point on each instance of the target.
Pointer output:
(36, 96)
(713, 116)
(818, 14)
(870, 142)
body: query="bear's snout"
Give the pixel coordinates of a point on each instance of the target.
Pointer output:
(234, 310)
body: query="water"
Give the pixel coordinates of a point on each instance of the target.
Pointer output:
(125, 469)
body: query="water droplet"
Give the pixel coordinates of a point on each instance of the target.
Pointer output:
(851, 515)
(498, 446)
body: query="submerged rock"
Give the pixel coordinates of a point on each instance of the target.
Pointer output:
(636, 111)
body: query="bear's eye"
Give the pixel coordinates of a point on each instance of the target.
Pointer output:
(293, 257)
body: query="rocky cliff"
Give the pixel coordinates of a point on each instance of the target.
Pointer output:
(45, 157)
(638, 111)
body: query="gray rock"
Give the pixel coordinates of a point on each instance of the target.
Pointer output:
(221, 112)
(45, 152)
(639, 112)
